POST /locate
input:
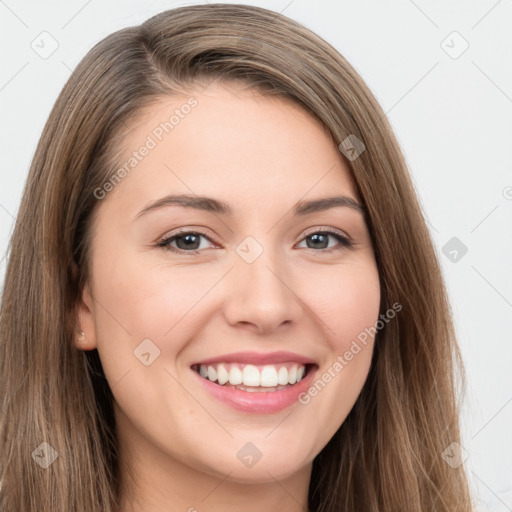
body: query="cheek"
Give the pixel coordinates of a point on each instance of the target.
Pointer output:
(144, 298)
(348, 304)
(348, 312)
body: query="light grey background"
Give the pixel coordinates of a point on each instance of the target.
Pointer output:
(451, 110)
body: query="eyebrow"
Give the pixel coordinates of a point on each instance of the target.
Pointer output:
(217, 206)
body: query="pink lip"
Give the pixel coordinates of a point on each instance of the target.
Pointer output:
(259, 401)
(258, 358)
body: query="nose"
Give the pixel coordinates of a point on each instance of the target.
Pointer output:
(260, 296)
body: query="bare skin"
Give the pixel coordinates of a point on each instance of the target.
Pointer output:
(311, 296)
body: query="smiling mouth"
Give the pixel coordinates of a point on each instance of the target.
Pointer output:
(254, 378)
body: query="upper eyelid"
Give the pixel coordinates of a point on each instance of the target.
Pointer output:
(322, 229)
(187, 232)
(317, 229)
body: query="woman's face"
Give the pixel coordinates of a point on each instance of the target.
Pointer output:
(256, 274)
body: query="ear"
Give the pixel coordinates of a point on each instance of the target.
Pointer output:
(85, 318)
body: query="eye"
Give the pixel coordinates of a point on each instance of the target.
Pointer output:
(186, 241)
(320, 240)
(190, 241)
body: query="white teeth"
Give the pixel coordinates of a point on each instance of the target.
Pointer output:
(251, 375)
(235, 376)
(292, 374)
(212, 373)
(267, 376)
(282, 376)
(222, 374)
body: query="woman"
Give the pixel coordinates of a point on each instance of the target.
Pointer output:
(221, 291)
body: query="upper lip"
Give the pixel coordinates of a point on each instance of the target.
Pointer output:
(257, 358)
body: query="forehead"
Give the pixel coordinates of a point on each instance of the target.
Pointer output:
(233, 144)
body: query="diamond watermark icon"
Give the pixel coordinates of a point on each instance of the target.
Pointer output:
(146, 352)
(249, 455)
(455, 455)
(454, 249)
(454, 45)
(352, 147)
(45, 45)
(249, 249)
(45, 455)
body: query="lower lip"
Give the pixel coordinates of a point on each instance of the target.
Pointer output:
(259, 401)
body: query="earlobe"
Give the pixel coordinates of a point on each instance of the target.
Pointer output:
(85, 332)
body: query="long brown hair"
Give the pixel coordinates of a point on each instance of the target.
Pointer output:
(387, 455)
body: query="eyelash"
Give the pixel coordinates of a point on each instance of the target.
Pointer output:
(344, 242)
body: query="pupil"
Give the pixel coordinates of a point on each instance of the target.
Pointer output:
(319, 238)
(189, 240)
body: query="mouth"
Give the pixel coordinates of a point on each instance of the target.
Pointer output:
(256, 388)
(254, 378)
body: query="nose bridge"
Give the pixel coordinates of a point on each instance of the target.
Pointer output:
(260, 291)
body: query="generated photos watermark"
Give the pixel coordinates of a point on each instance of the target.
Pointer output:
(343, 360)
(152, 140)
